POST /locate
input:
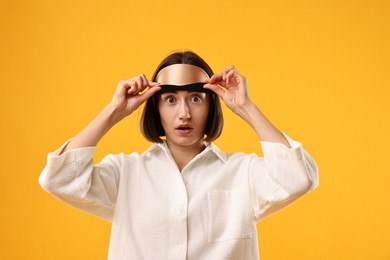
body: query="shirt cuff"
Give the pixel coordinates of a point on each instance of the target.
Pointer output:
(272, 149)
(56, 159)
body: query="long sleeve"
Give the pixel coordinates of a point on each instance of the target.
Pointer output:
(281, 177)
(73, 178)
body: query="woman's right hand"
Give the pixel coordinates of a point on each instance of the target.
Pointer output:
(127, 97)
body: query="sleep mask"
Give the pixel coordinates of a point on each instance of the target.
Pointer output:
(181, 74)
(192, 87)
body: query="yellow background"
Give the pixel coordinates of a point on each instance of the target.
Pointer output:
(319, 70)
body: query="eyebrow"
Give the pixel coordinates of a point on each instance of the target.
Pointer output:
(193, 87)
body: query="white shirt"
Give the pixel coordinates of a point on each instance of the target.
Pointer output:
(207, 211)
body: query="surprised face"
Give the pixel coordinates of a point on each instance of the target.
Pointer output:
(183, 113)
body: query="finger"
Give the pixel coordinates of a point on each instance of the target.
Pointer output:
(215, 88)
(148, 93)
(228, 76)
(225, 71)
(153, 84)
(140, 85)
(123, 87)
(145, 81)
(223, 77)
(133, 87)
(229, 68)
(136, 86)
(228, 71)
(217, 79)
(125, 84)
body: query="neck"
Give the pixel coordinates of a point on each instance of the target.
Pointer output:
(184, 154)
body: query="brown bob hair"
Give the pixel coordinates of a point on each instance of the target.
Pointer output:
(151, 126)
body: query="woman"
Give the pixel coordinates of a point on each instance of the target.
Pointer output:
(183, 198)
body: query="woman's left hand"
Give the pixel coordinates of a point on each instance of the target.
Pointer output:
(234, 90)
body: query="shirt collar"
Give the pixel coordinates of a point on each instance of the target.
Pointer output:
(211, 147)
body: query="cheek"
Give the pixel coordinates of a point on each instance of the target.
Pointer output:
(165, 115)
(201, 114)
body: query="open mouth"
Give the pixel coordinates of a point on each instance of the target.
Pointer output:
(184, 129)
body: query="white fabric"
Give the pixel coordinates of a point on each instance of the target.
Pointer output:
(208, 211)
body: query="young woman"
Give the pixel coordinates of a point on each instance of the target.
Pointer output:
(183, 198)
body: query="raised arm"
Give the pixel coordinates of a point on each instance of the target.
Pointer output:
(287, 171)
(70, 173)
(234, 92)
(127, 99)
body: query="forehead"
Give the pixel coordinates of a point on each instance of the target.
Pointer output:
(181, 74)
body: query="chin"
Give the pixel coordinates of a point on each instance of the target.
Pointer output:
(185, 141)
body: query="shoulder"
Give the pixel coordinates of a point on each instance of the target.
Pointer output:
(133, 157)
(231, 157)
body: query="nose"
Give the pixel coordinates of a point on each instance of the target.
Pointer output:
(184, 111)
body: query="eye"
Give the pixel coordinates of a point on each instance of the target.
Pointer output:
(170, 100)
(195, 99)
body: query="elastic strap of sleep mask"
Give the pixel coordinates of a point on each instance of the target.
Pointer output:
(193, 87)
